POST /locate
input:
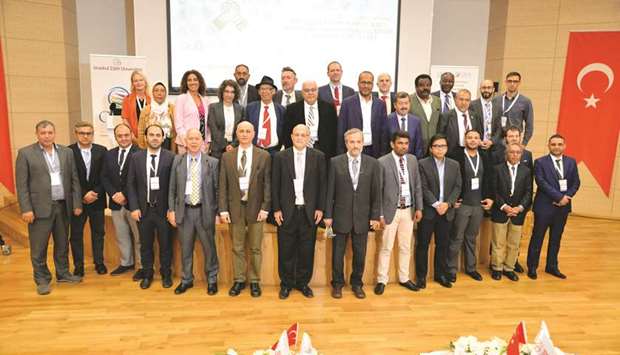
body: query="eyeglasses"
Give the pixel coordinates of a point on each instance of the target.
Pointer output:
(85, 133)
(439, 146)
(309, 90)
(513, 81)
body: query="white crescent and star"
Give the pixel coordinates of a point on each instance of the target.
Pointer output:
(592, 67)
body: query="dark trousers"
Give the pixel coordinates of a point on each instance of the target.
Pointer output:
(39, 235)
(441, 227)
(96, 219)
(296, 242)
(554, 222)
(153, 222)
(339, 243)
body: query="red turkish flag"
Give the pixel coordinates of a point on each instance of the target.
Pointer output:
(519, 337)
(589, 115)
(6, 169)
(292, 336)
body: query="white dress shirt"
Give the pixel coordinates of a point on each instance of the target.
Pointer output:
(273, 120)
(441, 167)
(198, 158)
(248, 163)
(314, 126)
(405, 174)
(443, 96)
(291, 99)
(299, 160)
(149, 168)
(388, 101)
(229, 122)
(86, 157)
(462, 128)
(426, 106)
(354, 177)
(366, 107)
(121, 164)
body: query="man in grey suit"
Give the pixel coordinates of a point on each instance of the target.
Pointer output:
(192, 207)
(441, 186)
(401, 206)
(353, 205)
(425, 106)
(48, 191)
(288, 95)
(454, 123)
(489, 116)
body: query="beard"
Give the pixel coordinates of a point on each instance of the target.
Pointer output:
(486, 95)
(241, 81)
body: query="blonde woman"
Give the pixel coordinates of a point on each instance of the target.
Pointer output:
(135, 102)
(160, 112)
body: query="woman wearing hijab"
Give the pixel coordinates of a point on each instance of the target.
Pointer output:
(160, 112)
(135, 102)
(224, 117)
(191, 109)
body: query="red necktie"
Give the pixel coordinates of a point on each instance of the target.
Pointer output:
(267, 127)
(384, 98)
(336, 97)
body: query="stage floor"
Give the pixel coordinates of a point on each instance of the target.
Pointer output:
(108, 314)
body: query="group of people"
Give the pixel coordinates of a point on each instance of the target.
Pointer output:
(349, 161)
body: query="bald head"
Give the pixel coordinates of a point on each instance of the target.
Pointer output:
(487, 88)
(245, 134)
(193, 141)
(300, 136)
(384, 82)
(309, 91)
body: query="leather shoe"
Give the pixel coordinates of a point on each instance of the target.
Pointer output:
(496, 275)
(532, 274)
(307, 292)
(474, 275)
(101, 269)
(255, 290)
(337, 292)
(284, 292)
(79, 271)
(146, 283)
(379, 288)
(166, 281)
(236, 288)
(443, 281)
(183, 287)
(212, 289)
(68, 278)
(556, 273)
(138, 275)
(518, 268)
(43, 289)
(421, 283)
(511, 275)
(121, 270)
(452, 278)
(409, 285)
(358, 292)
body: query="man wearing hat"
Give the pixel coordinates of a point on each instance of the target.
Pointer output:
(267, 117)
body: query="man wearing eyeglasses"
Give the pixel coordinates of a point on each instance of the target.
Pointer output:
(89, 163)
(516, 109)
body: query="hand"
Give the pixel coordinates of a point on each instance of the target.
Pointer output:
(458, 203)
(119, 198)
(564, 201)
(382, 222)
(90, 197)
(136, 215)
(442, 208)
(229, 148)
(318, 216)
(278, 217)
(262, 216)
(418, 216)
(172, 218)
(77, 211)
(218, 220)
(328, 222)
(487, 203)
(28, 217)
(374, 224)
(225, 217)
(486, 144)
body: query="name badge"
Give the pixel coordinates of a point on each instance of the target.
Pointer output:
(299, 185)
(188, 187)
(404, 190)
(262, 133)
(475, 183)
(244, 183)
(563, 185)
(154, 181)
(55, 177)
(504, 121)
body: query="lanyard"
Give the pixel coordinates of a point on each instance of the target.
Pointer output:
(471, 163)
(141, 106)
(51, 161)
(512, 104)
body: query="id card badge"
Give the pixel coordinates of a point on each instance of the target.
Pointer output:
(244, 183)
(475, 183)
(504, 121)
(404, 190)
(262, 133)
(299, 185)
(55, 177)
(154, 181)
(563, 185)
(188, 187)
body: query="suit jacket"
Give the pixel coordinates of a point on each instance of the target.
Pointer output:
(278, 97)
(328, 125)
(352, 210)
(430, 185)
(209, 176)
(253, 112)
(375, 94)
(259, 190)
(113, 178)
(439, 92)
(252, 94)
(94, 181)
(391, 186)
(137, 181)
(325, 93)
(520, 115)
(485, 178)
(283, 190)
(501, 184)
(217, 126)
(34, 185)
(414, 128)
(499, 156)
(496, 115)
(449, 125)
(429, 128)
(351, 117)
(186, 115)
(548, 182)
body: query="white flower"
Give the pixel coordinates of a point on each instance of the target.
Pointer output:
(231, 351)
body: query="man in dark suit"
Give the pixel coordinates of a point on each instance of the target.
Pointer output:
(244, 203)
(298, 196)
(446, 95)
(402, 120)
(267, 117)
(192, 201)
(288, 94)
(353, 205)
(488, 115)
(557, 179)
(319, 116)
(454, 123)
(48, 192)
(148, 182)
(512, 185)
(247, 93)
(476, 197)
(384, 84)
(335, 92)
(513, 136)
(88, 158)
(426, 107)
(114, 180)
(364, 112)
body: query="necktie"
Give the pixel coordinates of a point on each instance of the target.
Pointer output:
(354, 168)
(401, 200)
(267, 127)
(403, 124)
(384, 98)
(152, 173)
(310, 124)
(242, 173)
(336, 97)
(513, 177)
(465, 122)
(87, 162)
(288, 99)
(194, 196)
(557, 162)
(446, 104)
(121, 159)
